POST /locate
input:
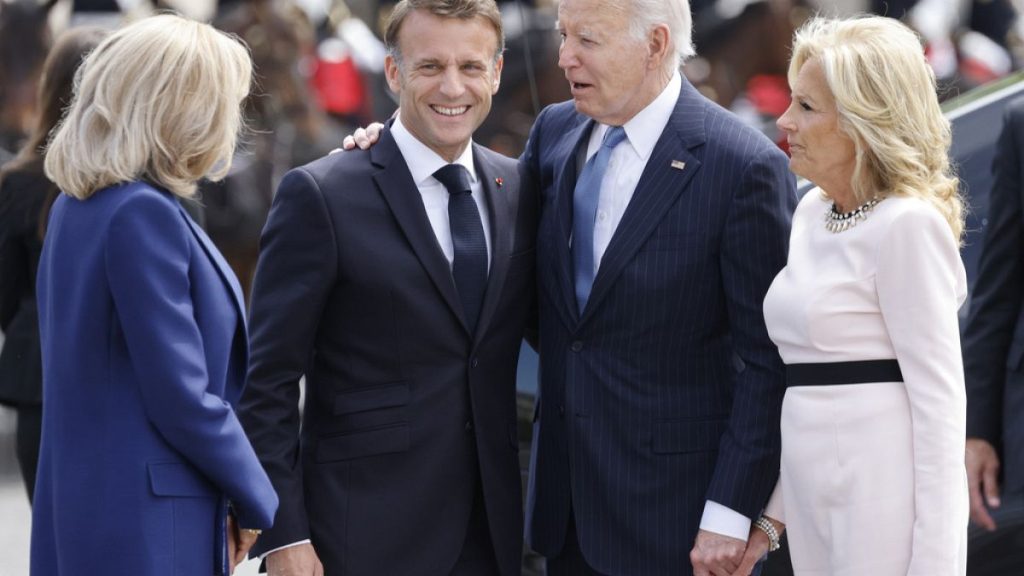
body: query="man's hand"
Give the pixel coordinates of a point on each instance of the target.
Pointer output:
(363, 137)
(757, 547)
(715, 554)
(300, 560)
(983, 481)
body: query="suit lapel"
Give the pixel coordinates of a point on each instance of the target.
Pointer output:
(226, 274)
(667, 174)
(562, 230)
(396, 185)
(502, 227)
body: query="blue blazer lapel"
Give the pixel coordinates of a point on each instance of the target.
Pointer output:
(502, 227)
(219, 263)
(562, 231)
(668, 173)
(395, 184)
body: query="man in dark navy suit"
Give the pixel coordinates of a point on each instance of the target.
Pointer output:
(664, 220)
(993, 340)
(398, 282)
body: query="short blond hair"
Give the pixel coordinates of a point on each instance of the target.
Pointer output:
(159, 100)
(887, 104)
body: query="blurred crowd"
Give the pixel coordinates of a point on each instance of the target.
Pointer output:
(319, 69)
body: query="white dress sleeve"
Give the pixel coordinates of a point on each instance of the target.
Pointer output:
(921, 283)
(776, 509)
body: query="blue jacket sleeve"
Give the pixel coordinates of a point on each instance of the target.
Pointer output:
(147, 253)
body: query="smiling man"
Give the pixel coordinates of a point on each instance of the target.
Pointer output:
(398, 281)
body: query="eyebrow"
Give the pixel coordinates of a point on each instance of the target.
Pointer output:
(801, 96)
(444, 62)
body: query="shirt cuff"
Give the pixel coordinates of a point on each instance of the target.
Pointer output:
(725, 521)
(269, 552)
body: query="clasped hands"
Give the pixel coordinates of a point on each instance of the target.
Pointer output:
(717, 555)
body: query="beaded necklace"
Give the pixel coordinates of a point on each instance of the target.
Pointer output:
(836, 221)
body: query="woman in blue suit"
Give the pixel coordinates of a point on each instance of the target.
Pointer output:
(141, 322)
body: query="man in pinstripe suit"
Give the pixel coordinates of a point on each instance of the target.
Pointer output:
(656, 436)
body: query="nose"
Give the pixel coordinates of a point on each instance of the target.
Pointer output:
(785, 122)
(566, 55)
(451, 82)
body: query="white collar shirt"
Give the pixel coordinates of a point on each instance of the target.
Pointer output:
(627, 163)
(422, 163)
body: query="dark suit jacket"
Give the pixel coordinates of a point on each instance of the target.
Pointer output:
(23, 193)
(144, 355)
(666, 392)
(993, 340)
(406, 412)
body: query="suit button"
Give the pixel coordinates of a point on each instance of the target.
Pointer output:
(576, 346)
(561, 410)
(469, 425)
(475, 363)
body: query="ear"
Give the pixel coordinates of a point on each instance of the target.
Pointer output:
(496, 81)
(393, 74)
(658, 46)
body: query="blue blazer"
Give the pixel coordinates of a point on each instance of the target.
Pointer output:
(666, 392)
(144, 354)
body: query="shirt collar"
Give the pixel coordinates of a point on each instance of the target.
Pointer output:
(423, 161)
(644, 129)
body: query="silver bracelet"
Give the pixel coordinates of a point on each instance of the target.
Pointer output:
(766, 526)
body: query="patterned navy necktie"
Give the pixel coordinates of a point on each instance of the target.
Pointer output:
(585, 199)
(469, 267)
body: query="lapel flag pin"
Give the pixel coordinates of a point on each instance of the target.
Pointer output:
(499, 182)
(678, 164)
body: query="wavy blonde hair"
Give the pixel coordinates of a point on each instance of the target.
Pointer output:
(158, 100)
(887, 104)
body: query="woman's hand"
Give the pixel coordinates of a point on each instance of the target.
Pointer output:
(757, 547)
(240, 541)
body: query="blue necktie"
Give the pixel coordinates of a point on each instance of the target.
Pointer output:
(585, 198)
(469, 266)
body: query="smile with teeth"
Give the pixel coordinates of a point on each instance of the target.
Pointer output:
(445, 111)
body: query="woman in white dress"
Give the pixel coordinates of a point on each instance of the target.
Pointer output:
(864, 314)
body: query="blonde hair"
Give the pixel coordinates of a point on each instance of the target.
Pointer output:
(887, 104)
(158, 100)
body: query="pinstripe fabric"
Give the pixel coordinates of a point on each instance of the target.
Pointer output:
(665, 392)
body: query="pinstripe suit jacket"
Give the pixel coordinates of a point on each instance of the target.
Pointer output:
(666, 391)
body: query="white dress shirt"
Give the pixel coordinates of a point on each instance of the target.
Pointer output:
(627, 163)
(625, 167)
(423, 162)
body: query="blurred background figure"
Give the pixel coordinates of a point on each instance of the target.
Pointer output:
(286, 126)
(141, 322)
(25, 198)
(24, 42)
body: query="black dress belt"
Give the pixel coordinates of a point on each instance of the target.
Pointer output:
(836, 373)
